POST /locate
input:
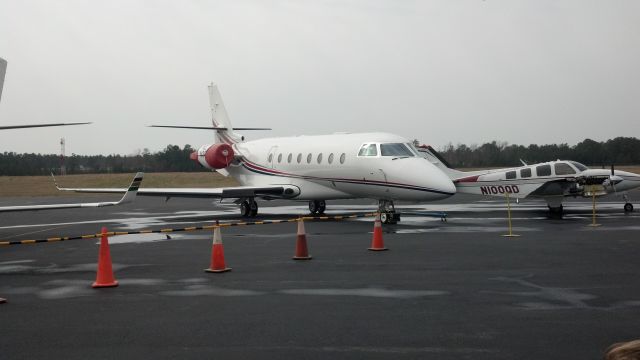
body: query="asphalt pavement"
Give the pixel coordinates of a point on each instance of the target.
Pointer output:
(444, 290)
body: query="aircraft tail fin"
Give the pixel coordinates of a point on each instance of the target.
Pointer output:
(3, 70)
(224, 131)
(220, 118)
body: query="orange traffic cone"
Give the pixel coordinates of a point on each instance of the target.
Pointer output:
(217, 253)
(302, 253)
(377, 244)
(105, 271)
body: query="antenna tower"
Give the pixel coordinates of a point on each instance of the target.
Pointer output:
(63, 169)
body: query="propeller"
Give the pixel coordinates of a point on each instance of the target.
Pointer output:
(613, 179)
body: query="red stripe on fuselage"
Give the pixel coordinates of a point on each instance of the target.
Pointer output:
(279, 173)
(468, 179)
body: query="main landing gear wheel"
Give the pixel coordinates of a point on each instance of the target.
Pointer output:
(249, 208)
(253, 209)
(556, 211)
(317, 206)
(628, 207)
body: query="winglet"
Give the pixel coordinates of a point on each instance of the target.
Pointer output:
(54, 181)
(132, 191)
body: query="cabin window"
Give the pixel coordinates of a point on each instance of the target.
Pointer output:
(330, 159)
(543, 170)
(289, 158)
(270, 158)
(525, 173)
(510, 175)
(299, 158)
(563, 169)
(319, 158)
(397, 149)
(279, 157)
(579, 166)
(342, 158)
(368, 150)
(309, 158)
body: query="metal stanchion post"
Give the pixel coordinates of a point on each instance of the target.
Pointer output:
(510, 234)
(593, 201)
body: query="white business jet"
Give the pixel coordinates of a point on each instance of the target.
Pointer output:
(315, 168)
(551, 181)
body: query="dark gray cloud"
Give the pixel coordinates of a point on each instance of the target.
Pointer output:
(441, 71)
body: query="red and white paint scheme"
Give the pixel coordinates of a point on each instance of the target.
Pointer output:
(551, 181)
(313, 168)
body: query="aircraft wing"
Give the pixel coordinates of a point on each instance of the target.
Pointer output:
(129, 196)
(40, 125)
(284, 191)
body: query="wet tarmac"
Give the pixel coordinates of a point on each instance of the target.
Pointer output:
(445, 290)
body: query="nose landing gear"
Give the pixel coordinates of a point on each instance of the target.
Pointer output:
(628, 206)
(317, 206)
(388, 214)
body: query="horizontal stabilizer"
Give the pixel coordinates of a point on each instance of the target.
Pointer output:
(206, 127)
(40, 125)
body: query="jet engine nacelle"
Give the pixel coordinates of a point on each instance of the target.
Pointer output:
(214, 156)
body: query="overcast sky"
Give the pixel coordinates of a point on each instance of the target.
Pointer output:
(440, 71)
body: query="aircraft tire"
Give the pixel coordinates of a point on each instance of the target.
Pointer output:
(389, 217)
(322, 206)
(395, 217)
(384, 218)
(245, 209)
(556, 210)
(628, 207)
(253, 209)
(313, 206)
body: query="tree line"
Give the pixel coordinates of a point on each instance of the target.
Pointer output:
(171, 158)
(618, 151)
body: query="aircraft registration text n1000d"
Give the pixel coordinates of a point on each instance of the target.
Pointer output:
(500, 189)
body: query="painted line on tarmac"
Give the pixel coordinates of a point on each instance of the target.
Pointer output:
(184, 229)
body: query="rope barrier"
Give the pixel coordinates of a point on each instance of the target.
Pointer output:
(191, 228)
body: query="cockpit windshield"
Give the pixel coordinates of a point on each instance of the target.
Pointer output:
(368, 150)
(578, 165)
(395, 149)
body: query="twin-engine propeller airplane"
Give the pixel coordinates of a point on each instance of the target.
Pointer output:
(314, 168)
(551, 181)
